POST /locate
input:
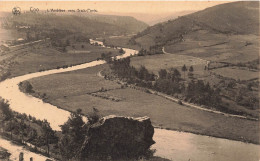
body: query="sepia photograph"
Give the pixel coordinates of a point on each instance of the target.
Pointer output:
(129, 80)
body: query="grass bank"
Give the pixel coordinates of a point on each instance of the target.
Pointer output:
(70, 95)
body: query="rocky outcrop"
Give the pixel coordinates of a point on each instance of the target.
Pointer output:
(119, 137)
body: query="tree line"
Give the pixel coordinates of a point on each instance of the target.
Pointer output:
(169, 82)
(65, 145)
(25, 128)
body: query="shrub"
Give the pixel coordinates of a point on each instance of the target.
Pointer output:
(94, 116)
(26, 87)
(180, 102)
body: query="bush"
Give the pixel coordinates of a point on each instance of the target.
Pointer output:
(26, 87)
(180, 102)
(94, 116)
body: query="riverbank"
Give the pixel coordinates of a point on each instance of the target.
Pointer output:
(163, 113)
(135, 103)
(132, 102)
(43, 56)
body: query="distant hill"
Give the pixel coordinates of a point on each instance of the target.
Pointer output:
(153, 18)
(169, 17)
(229, 18)
(91, 24)
(130, 24)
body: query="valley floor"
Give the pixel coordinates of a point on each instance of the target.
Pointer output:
(88, 90)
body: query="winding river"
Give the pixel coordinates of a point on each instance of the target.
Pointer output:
(172, 145)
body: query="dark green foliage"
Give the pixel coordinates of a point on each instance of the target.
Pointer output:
(4, 154)
(184, 69)
(4, 107)
(73, 136)
(121, 51)
(123, 69)
(54, 26)
(169, 82)
(162, 73)
(48, 135)
(191, 69)
(246, 99)
(94, 116)
(19, 127)
(152, 51)
(203, 94)
(107, 57)
(26, 87)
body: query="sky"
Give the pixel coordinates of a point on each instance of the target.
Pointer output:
(151, 7)
(147, 11)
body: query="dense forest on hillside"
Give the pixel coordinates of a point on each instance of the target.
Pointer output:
(35, 26)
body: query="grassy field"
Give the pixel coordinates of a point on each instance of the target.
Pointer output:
(39, 57)
(77, 83)
(214, 76)
(135, 103)
(166, 61)
(217, 47)
(236, 73)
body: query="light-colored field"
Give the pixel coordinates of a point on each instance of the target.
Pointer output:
(217, 47)
(135, 103)
(236, 73)
(40, 57)
(72, 83)
(166, 61)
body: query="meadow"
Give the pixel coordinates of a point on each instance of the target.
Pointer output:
(236, 73)
(40, 57)
(155, 63)
(71, 95)
(217, 47)
(218, 76)
(165, 61)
